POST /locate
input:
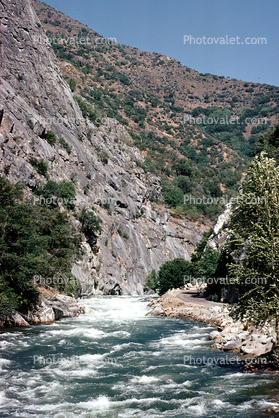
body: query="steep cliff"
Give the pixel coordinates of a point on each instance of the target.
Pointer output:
(137, 234)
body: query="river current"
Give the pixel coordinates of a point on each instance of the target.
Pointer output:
(117, 362)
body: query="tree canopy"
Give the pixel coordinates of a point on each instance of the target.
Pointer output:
(254, 243)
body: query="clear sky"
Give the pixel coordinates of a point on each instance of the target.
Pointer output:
(160, 26)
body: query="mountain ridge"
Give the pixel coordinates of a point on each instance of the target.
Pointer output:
(161, 103)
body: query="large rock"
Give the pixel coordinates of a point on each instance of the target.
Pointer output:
(17, 321)
(41, 316)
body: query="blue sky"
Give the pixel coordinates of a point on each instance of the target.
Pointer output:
(160, 26)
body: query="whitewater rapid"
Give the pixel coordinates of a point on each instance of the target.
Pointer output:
(118, 362)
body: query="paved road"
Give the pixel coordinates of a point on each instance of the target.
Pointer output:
(190, 296)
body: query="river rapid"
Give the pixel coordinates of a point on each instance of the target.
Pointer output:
(117, 362)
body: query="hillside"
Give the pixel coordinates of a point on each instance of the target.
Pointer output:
(46, 143)
(161, 103)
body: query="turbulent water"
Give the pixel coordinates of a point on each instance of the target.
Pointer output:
(116, 362)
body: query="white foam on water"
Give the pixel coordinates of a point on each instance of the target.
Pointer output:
(47, 407)
(198, 410)
(6, 344)
(119, 334)
(85, 332)
(118, 308)
(62, 342)
(145, 379)
(178, 340)
(3, 399)
(101, 403)
(119, 347)
(237, 375)
(44, 390)
(218, 403)
(187, 383)
(3, 363)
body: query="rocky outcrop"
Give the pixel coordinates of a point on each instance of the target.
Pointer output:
(229, 336)
(220, 231)
(137, 234)
(52, 306)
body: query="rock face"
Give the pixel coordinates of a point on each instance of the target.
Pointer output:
(218, 237)
(137, 235)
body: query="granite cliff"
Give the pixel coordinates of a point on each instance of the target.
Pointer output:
(138, 235)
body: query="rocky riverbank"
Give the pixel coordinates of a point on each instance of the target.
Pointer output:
(229, 335)
(52, 306)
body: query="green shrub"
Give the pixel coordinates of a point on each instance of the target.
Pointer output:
(51, 137)
(172, 274)
(72, 83)
(122, 233)
(40, 166)
(65, 145)
(63, 192)
(90, 226)
(103, 157)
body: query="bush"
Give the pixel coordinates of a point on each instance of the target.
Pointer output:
(63, 192)
(40, 166)
(72, 84)
(51, 137)
(65, 145)
(172, 274)
(122, 233)
(90, 226)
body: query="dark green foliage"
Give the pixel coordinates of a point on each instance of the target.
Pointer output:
(51, 137)
(122, 233)
(254, 240)
(72, 84)
(172, 274)
(173, 195)
(205, 263)
(65, 145)
(90, 226)
(184, 183)
(269, 142)
(103, 157)
(40, 166)
(53, 193)
(35, 240)
(87, 110)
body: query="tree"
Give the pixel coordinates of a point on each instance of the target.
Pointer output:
(254, 243)
(172, 273)
(90, 226)
(34, 241)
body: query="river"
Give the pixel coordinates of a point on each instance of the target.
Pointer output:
(117, 362)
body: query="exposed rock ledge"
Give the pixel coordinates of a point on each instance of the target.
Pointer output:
(52, 306)
(229, 336)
